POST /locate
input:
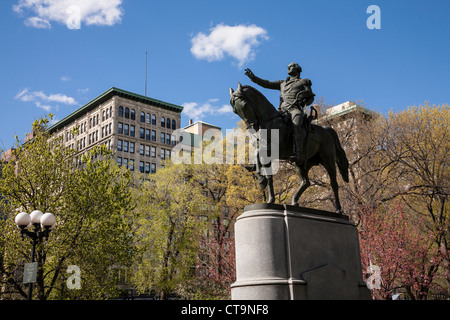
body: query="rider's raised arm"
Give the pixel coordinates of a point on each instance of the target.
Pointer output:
(263, 83)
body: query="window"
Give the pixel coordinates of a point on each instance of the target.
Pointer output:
(103, 115)
(153, 170)
(126, 130)
(147, 167)
(163, 137)
(110, 112)
(163, 122)
(153, 135)
(153, 152)
(163, 154)
(168, 123)
(141, 149)
(107, 114)
(125, 146)
(142, 133)
(147, 134)
(131, 147)
(125, 162)
(142, 116)
(167, 154)
(119, 145)
(174, 124)
(127, 113)
(120, 128)
(153, 120)
(132, 131)
(168, 138)
(103, 132)
(141, 166)
(131, 165)
(133, 114)
(147, 119)
(147, 151)
(119, 161)
(120, 111)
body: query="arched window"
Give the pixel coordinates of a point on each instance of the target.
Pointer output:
(163, 122)
(120, 111)
(153, 120)
(168, 123)
(147, 119)
(142, 116)
(127, 113)
(174, 124)
(133, 114)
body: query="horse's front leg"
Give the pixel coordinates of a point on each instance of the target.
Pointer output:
(270, 191)
(303, 173)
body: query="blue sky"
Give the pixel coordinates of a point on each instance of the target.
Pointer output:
(58, 55)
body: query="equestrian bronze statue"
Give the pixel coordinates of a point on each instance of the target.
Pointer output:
(300, 142)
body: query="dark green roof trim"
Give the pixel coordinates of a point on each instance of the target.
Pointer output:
(108, 95)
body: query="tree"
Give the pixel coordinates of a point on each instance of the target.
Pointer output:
(167, 229)
(416, 149)
(396, 253)
(226, 187)
(91, 203)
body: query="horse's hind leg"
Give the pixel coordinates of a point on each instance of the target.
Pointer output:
(331, 169)
(270, 190)
(303, 173)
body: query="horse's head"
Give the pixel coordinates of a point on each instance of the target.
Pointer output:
(244, 107)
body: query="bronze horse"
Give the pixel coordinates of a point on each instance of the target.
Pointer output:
(323, 146)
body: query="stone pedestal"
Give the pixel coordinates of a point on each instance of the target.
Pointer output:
(294, 253)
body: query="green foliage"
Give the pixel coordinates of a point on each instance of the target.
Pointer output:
(92, 204)
(167, 229)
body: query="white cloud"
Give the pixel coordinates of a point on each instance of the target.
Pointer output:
(41, 100)
(238, 42)
(65, 78)
(70, 12)
(38, 23)
(197, 111)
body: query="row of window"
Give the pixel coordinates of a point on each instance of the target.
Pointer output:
(125, 146)
(127, 163)
(128, 113)
(144, 167)
(144, 150)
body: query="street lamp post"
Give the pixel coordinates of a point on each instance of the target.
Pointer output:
(35, 226)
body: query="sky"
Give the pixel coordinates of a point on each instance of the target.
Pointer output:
(57, 55)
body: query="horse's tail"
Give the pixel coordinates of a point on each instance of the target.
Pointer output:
(341, 157)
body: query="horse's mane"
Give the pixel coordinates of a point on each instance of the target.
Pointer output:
(256, 91)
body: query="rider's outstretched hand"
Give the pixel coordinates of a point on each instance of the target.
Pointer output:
(249, 74)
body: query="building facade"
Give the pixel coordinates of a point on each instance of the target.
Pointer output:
(137, 128)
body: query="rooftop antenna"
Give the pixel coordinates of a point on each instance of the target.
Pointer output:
(145, 73)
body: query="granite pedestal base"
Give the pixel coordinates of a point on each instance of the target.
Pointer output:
(294, 253)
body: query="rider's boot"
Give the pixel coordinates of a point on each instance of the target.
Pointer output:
(299, 144)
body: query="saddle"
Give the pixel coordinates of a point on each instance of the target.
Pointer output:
(307, 120)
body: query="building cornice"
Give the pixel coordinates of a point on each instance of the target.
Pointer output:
(107, 95)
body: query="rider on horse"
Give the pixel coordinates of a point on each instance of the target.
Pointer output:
(295, 94)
